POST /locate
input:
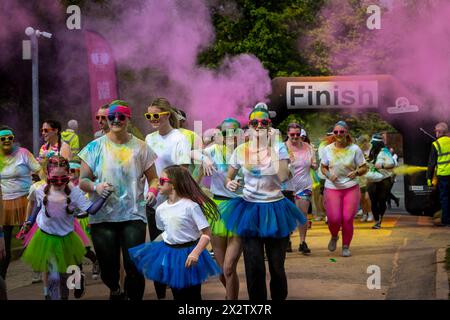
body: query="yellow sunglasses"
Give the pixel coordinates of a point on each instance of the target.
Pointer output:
(155, 116)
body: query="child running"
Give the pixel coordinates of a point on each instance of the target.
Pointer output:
(55, 246)
(181, 260)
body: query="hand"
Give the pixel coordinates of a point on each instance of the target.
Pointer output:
(104, 189)
(352, 174)
(208, 167)
(233, 185)
(150, 198)
(2, 248)
(191, 260)
(332, 177)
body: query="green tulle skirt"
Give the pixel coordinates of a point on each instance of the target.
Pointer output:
(218, 228)
(47, 252)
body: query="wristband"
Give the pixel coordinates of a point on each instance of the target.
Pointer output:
(154, 191)
(205, 236)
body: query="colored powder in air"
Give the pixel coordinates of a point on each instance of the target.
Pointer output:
(408, 170)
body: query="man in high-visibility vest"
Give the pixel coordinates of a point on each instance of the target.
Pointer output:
(440, 159)
(70, 137)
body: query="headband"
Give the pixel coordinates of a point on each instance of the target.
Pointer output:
(74, 165)
(259, 111)
(6, 133)
(377, 138)
(342, 124)
(119, 109)
(231, 120)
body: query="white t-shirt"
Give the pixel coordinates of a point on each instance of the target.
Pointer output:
(322, 146)
(60, 223)
(261, 182)
(16, 174)
(215, 153)
(341, 161)
(123, 166)
(385, 158)
(300, 168)
(181, 222)
(171, 149)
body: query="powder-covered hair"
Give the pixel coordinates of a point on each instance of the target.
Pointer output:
(57, 162)
(186, 187)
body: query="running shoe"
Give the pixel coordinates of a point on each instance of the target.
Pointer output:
(303, 248)
(346, 251)
(37, 277)
(359, 213)
(289, 247)
(370, 217)
(117, 295)
(363, 218)
(95, 270)
(332, 244)
(377, 225)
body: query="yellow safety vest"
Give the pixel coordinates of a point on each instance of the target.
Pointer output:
(71, 138)
(442, 146)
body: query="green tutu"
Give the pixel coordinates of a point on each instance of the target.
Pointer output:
(45, 249)
(218, 228)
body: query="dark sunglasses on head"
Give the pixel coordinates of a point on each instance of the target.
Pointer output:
(339, 131)
(9, 138)
(163, 180)
(47, 130)
(119, 116)
(73, 170)
(294, 134)
(255, 122)
(59, 180)
(100, 117)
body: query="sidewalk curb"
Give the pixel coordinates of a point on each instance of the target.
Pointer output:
(442, 286)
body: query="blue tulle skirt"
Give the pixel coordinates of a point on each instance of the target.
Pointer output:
(160, 262)
(261, 219)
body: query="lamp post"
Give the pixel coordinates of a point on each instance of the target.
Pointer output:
(34, 34)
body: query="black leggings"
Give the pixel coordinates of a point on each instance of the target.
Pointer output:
(4, 263)
(154, 232)
(379, 193)
(3, 295)
(109, 238)
(193, 293)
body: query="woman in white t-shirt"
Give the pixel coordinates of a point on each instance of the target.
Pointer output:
(302, 160)
(180, 260)
(227, 245)
(171, 148)
(342, 162)
(263, 217)
(18, 166)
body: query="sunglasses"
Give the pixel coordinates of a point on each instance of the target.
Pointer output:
(263, 122)
(74, 170)
(100, 117)
(294, 134)
(339, 131)
(47, 130)
(7, 138)
(119, 116)
(163, 180)
(155, 116)
(59, 180)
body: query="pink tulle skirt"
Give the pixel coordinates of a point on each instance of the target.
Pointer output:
(76, 228)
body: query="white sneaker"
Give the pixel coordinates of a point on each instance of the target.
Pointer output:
(359, 213)
(37, 277)
(363, 218)
(370, 217)
(332, 244)
(346, 252)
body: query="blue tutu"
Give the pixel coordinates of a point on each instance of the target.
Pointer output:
(261, 219)
(160, 262)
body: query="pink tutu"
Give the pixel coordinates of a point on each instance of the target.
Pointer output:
(76, 228)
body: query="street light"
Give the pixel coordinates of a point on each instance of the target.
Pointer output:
(34, 34)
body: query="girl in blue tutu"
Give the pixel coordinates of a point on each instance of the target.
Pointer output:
(55, 246)
(181, 260)
(263, 217)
